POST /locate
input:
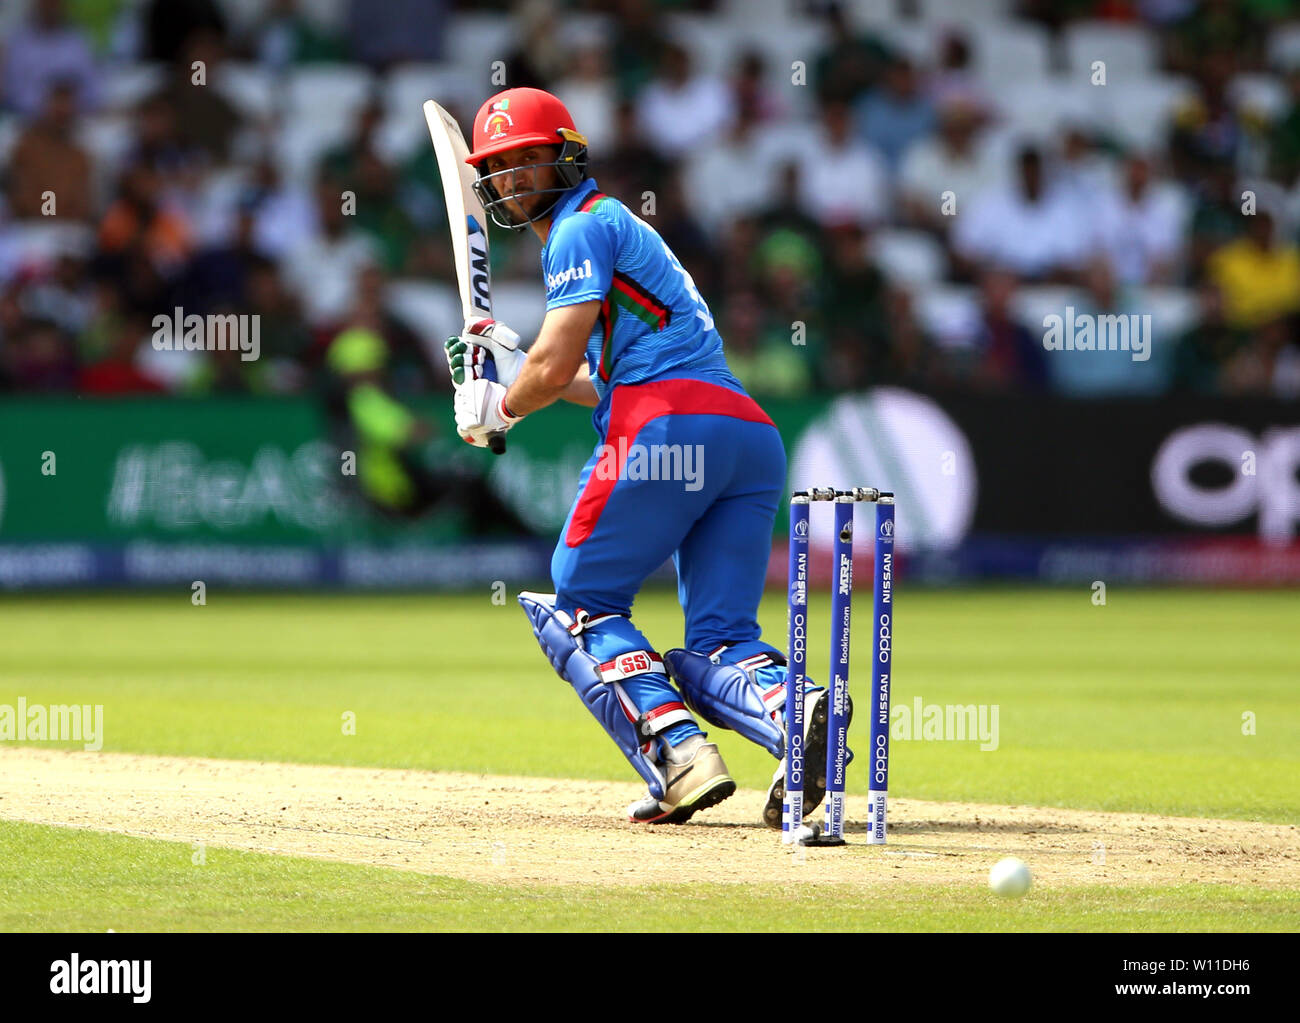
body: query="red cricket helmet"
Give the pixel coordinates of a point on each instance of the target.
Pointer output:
(520, 117)
(515, 119)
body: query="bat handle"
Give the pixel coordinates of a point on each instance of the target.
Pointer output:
(496, 441)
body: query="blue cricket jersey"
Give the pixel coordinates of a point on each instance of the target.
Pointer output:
(653, 323)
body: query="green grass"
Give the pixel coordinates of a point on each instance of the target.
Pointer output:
(1136, 705)
(59, 879)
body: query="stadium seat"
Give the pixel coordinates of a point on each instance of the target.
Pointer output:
(109, 139)
(328, 91)
(301, 141)
(126, 85)
(1012, 50)
(965, 12)
(712, 44)
(405, 90)
(797, 40)
(429, 308)
(10, 129)
(1138, 113)
(520, 304)
(1260, 93)
(1129, 51)
(331, 14)
(949, 314)
(1284, 46)
(407, 87)
(1042, 111)
(871, 15)
(908, 258)
(242, 15)
(252, 89)
(1174, 311)
(757, 12)
(579, 30)
(916, 40)
(38, 243)
(1033, 303)
(474, 41)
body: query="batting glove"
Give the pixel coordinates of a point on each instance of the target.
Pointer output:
(481, 411)
(485, 341)
(466, 360)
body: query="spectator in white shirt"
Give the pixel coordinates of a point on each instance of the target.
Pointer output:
(323, 271)
(741, 162)
(1140, 226)
(953, 160)
(1080, 171)
(1025, 228)
(842, 180)
(588, 93)
(680, 109)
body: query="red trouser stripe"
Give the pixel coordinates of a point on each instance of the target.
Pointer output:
(634, 405)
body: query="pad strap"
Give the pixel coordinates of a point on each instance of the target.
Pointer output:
(582, 620)
(726, 695)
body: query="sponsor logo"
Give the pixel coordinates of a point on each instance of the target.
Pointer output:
(573, 273)
(846, 575)
(1269, 490)
(886, 578)
(633, 664)
(480, 278)
(885, 640)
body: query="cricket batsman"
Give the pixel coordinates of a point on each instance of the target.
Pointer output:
(627, 333)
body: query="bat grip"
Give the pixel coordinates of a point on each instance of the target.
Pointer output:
(496, 441)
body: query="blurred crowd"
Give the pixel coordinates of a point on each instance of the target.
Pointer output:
(885, 220)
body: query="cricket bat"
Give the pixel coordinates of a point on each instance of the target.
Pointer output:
(469, 237)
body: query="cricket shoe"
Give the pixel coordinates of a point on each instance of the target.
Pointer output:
(695, 778)
(816, 717)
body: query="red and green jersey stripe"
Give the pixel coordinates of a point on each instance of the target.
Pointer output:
(627, 295)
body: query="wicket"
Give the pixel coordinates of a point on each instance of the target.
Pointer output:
(832, 832)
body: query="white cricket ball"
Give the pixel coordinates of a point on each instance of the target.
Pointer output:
(805, 833)
(1010, 877)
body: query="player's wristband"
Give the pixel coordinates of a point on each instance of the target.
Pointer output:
(506, 414)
